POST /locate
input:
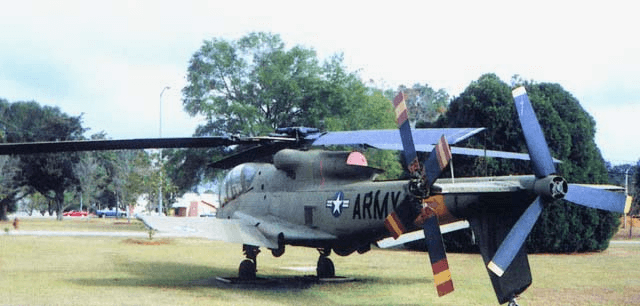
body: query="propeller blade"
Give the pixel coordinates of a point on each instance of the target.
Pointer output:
(437, 161)
(409, 149)
(596, 198)
(437, 255)
(536, 144)
(515, 239)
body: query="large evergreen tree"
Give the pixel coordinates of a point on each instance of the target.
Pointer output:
(569, 131)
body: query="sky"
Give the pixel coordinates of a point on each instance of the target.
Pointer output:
(110, 60)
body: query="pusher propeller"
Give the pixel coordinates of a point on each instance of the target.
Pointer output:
(423, 175)
(548, 187)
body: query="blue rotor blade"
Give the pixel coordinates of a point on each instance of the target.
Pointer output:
(515, 239)
(409, 149)
(437, 161)
(437, 256)
(596, 198)
(536, 144)
(391, 139)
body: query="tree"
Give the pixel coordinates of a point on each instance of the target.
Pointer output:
(35, 201)
(10, 188)
(49, 174)
(373, 111)
(186, 168)
(424, 104)
(569, 131)
(89, 173)
(255, 84)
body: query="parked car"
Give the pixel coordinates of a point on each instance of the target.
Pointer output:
(110, 213)
(74, 213)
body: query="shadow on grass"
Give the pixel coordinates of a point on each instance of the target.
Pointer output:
(189, 276)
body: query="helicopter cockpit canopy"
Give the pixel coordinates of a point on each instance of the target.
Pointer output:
(236, 182)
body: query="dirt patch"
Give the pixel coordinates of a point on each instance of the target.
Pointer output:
(124, 223)
(147, 241)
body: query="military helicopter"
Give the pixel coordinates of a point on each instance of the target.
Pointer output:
(330, 200)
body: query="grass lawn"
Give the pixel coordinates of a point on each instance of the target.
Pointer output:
(119, 271)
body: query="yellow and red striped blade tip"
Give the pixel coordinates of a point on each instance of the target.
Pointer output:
(442, 277)
(400, 108)
(443, 152)
(394, 226)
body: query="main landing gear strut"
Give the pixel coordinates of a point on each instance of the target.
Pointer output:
(248, 266)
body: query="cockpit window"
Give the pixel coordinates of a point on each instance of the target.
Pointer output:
(236, 182)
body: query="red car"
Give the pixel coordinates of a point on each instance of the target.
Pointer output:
(73, 213)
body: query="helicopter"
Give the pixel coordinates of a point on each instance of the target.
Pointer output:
(331, 200)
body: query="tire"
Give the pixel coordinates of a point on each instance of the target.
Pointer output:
(325, 268)
(247, 270)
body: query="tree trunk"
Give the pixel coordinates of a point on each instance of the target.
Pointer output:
(50, 208)
(59, 205)
(3, 212)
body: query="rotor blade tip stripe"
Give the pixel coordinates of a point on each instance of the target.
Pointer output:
(394, 226)
(519, 92)
(443, 152)
(401, 113)
(495, 269)
(398, 99)
(442, 277)
(440, 266)
(445, 288)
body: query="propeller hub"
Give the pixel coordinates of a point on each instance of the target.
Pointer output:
(552, 187)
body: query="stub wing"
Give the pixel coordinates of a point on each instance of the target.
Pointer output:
(419, 234)
(229, 230)
(243, 228)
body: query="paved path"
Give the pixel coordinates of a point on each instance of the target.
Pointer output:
(624, 242)
(93, 234)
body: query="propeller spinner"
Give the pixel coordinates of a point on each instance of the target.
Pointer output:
(548, 187)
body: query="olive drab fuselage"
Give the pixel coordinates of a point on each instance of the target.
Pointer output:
(319, 190)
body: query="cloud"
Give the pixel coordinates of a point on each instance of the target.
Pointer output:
(110, 60)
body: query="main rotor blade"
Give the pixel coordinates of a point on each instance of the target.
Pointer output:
(127, 144)
(515, 239)
(596, 198)
(437, 255)
(536, 144)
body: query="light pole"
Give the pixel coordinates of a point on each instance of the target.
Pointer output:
(160, 161)
(626, 194)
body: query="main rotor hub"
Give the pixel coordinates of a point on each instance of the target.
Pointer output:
(553, 187)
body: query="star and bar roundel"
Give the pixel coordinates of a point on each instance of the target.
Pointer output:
(337, 203)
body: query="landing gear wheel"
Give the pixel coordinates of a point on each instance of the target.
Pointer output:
(247, 270)
(325, 268)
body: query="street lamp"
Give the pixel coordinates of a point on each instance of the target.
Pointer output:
(626, 193)
(160, 161)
